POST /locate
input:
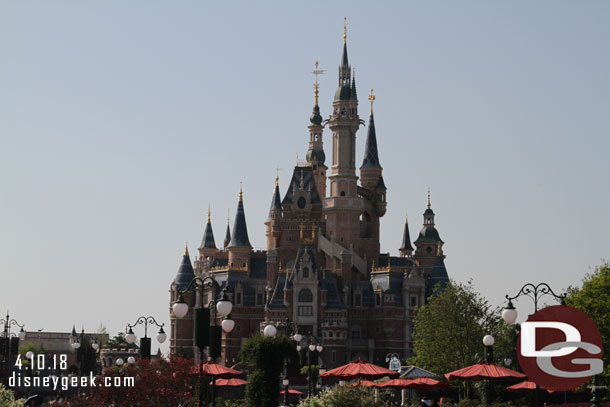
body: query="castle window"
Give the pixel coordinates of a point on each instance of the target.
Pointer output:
(305, 310)
(358, 300)
(355, 334)
(428, 249)
(342, 193)
(377, 299)
(237, 298)
(414, 301)
(305, 295)
(333, 356)
(305, 272)
(259, 299)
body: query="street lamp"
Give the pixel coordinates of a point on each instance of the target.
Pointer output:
(285, 383)
(130, 337)
(9, 342)
(535, 292)
(205, 333)
(489, 341)
(313, 345)
(76, 344)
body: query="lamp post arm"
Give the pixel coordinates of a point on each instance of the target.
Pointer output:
(535, 292)
(205, 282)
(146, 320)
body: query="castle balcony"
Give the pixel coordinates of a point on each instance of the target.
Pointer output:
(364, 193)
(334, 324)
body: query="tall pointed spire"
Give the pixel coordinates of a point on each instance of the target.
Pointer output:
(239, 237)
(353, 93)
(185, 272)
(276, 203)
(405, 248)
(208, 235)
(371, 155)
(345, 72)
(228, 232)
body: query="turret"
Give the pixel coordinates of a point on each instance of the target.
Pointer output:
(239, 247)
(405, 248)
(429, 241)
(227, 240)
(208, 245)
(315, 154)
(275, 214)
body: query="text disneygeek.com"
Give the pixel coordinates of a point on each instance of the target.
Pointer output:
(65, 382)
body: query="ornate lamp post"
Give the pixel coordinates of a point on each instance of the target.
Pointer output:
(130, 337)
(7, 337)
(76, 342)
(205, 333)
(535, 292)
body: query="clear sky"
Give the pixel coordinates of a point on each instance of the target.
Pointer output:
(121, 121)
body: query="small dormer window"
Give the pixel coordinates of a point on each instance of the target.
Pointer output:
(305, 272)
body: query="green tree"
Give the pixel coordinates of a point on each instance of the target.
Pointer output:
(7, 398)
(449, 330)
(343, 396)
(27, 347)
(119, 342)
(593, 298)
(268, 356)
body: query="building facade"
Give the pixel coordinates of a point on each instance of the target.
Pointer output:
(322, 270)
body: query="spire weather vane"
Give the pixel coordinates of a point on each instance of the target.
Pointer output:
(372, 99)
(316, 85)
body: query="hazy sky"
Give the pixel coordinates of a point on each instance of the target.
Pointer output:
(120, 122)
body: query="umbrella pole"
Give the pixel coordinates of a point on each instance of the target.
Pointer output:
(213, 391)
(200, 382)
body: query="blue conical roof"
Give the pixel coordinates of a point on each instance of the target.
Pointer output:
(438, 276)
(371, 155)
(185, 272)
(208, 236)
(276, 203)
(406, 238)
(239, 237)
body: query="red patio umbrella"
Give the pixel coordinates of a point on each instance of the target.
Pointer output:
(394, 384)
(423, 383)
(231, 382)
(484, 371)
(292, 391)
(359, 369)
(365, 383)
(211, 369)
(526, 385)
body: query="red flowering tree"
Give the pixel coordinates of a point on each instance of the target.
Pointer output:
(157, 383)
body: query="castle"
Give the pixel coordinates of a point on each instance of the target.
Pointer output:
(322, 271)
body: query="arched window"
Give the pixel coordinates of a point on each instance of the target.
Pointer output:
(305, 295)
(305, 272)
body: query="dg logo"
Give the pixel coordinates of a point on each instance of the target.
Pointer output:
(560, 348)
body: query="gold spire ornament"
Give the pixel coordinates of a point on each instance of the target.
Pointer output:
(428, 197)
(209, 213)
(372, 99)
(406, 219)
(186, 248)
(316, 86)
(344, 30)
(241, 193)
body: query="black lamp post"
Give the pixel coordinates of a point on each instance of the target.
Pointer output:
(207, 334)
(535, 292)
(130, 337)
(311, 347)
(9, 343)
(76, 342)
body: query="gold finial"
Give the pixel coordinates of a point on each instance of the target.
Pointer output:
(241, 193)
(316, 86)
(186, 248)
(277, 181)
(428, 197)
(209, 213)
(372, 99)
(406, 219)
(344, 30)
(228, 213)
(438, 249)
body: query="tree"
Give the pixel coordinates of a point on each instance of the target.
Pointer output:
(157, 383)
(449, 330)
(268, 356)
(119, 342)
(593, 298)
(27, 347)
(7, 398)
(343, 396)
